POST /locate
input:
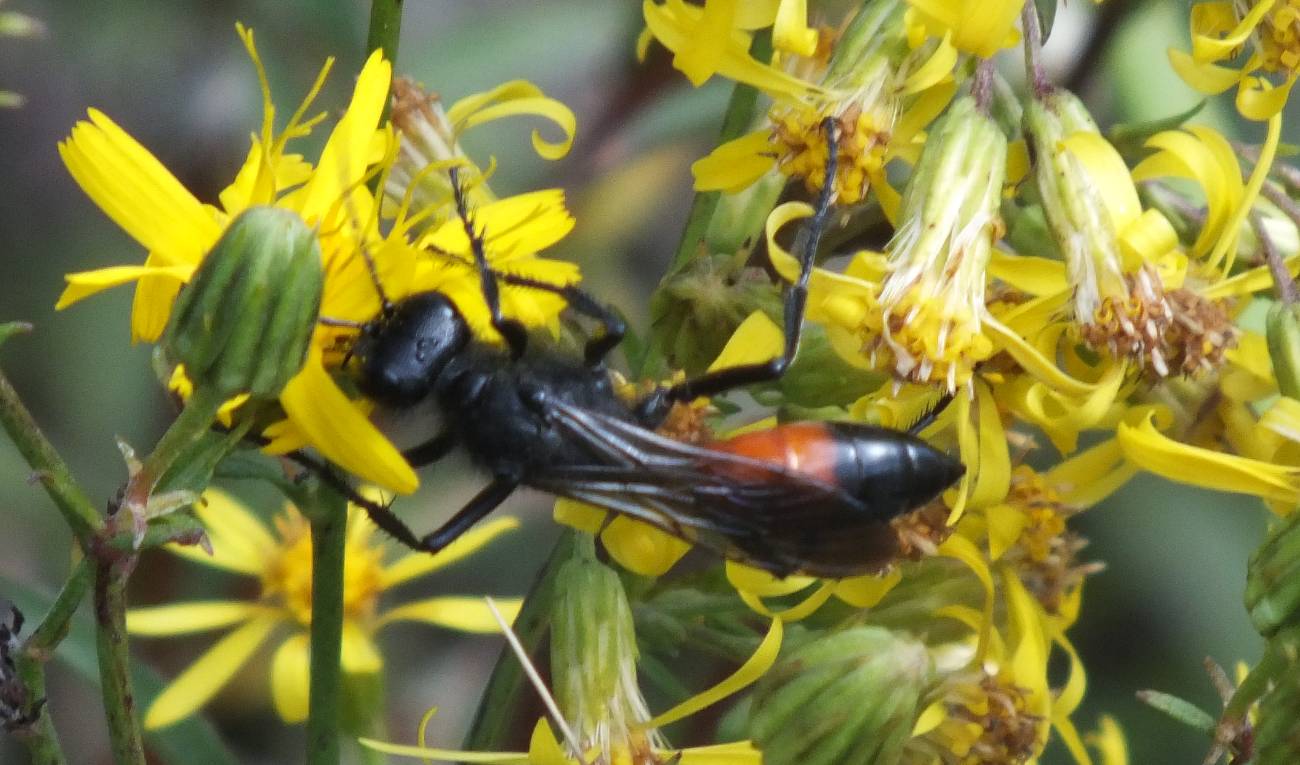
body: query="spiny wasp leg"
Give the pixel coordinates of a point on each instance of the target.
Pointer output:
(516, 336)
(796, 298)
(612, 325)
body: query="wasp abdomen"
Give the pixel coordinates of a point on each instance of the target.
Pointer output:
(889, 471)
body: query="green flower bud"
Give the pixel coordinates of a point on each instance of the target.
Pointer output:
(594, 654)
(1072, 203)
(243, 323)
(849, 698)
(1283, 327)
(1273, 579)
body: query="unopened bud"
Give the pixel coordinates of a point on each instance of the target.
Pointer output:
(593, 657)
(849, 698)
(243, 323)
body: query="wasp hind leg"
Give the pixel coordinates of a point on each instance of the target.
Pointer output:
(612, 326)
(656, 406)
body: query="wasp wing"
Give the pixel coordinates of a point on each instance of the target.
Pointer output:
(748, 510)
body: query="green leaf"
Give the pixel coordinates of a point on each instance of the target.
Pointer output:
(1129, 136)
(1181, 710)
(193, 742)
(11, 328)
(1046, 16)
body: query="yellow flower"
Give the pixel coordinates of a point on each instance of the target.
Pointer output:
(1220, 32)
(281, 562)
(879, 91)
(980, 28)
(177, 230)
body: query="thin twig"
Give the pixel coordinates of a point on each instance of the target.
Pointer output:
(1034, 51)
(1283, 285)
(328, 520)
(114, 658)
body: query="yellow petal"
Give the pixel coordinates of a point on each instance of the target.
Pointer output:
(736, 753)
(185, 618)
(417, 564)
(756, 340)
(790, 30)
(1005, 522)
(753, 668)
(465, 614)
(359, 655)
(335, 426)
(1092, 475)
(801, 610)
(240, 542)
(137, 192)
(86, 283)
(346, 153)
(291, 678)
(1212, 38)
(516, 98)
(202, 679)
(867, 591)
(151, 306)
(451, 755)
(981, 28)
(1209, 79)
(1226, 249)
(736, 164)
(1109, 742)
(1106, 168)
(762, 583)
(642, 548)
(677, 26)
(962, 549)
(579, 515)
(1259, 100)
(1151, 450)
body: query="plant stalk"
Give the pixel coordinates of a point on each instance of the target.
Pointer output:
(114, 656)
(385, 27)
(328, 535)
(42, 741)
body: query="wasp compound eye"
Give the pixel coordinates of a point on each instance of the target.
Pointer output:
(243, 323)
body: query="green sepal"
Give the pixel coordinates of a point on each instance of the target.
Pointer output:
(1283, 334)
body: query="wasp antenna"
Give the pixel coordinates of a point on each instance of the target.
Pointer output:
(536, 679)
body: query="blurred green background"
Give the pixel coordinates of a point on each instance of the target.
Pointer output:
(175, 76)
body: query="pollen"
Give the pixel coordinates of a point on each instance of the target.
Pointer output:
(1045, 554)
(800, 142)
(286, 581)
(1008, 732)
(1278, 37)
(1166, 332)
(930, 339)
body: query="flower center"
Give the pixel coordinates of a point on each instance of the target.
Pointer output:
(286, 582)
(800, 143)
(1279, 38)
(1165, 331)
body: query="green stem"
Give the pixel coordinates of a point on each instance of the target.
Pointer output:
(193, 423)
(738, 119)
(494, 721)
(328, 534)
(42, 740)
(385, 27)
(39, 453)
(114, 657)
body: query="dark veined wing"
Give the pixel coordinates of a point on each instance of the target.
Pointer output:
(748, 510)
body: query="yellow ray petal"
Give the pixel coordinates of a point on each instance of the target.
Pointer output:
(360, 655)
(137, 192)
(1151, 450)
(417, 564)
(517, 98)
(642, 548)
(750, 671)
(202, 679)
(867, 591)
(291, 678)
(736, 164)
(465, 614)
(335, 426)
(756, 340)
(185, 618)
(240, 542)
(83, 284)
(1209, 79)
(346, 153)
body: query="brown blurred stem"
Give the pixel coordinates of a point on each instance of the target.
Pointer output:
(1034, 51)
(1283, 284)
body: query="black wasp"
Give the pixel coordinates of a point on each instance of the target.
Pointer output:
(807, 497)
